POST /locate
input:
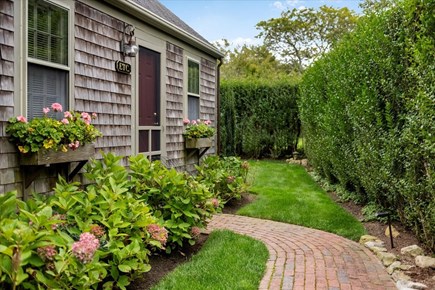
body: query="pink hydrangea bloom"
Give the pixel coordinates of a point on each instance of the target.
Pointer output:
(65, 121)
(47, 253)
(56, 107)
(207, 122)
(86, 247)
(186, 121)
(94, 115)
(22, 119)
(193, 122)
(46, 110)
(67, 114)
(215, 202)
(158, 233)
(97, 231)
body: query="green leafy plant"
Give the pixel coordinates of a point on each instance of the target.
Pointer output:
(72, 131)
(226, 177)
(198, 129)
(181, 203)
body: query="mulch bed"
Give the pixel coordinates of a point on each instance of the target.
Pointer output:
(163, 264)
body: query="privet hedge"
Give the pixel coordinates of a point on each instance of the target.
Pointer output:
(258, 118)
(368, 113)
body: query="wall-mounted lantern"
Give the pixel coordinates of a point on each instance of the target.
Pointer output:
(128, 44)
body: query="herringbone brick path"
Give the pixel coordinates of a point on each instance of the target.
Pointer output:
(302, 258)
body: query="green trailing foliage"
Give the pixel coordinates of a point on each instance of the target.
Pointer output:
(101, 236)
(258, 118)
(368, 113)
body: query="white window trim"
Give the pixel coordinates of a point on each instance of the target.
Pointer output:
(21, 49)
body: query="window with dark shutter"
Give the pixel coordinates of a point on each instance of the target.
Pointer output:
(47, 48)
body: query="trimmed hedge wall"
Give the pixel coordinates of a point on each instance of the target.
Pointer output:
(368, 113)
(259, 118)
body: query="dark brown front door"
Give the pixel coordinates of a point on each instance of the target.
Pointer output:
(149, 103)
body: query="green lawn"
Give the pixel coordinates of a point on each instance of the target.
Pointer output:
(226, 261)
(288, 194)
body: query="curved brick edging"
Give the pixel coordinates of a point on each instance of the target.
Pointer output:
(304, 258)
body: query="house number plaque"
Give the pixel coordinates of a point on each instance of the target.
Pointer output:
(123, 67)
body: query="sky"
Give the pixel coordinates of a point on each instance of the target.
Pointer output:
(235, 20)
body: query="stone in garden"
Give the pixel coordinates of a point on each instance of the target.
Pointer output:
(395, 265)
(405, 285)
(377, 249)
(367, 238)
(425, 262)
(394, 232)
(412, 250)
(372, 244)
(400, 276)
(405, 267)
(386, 258)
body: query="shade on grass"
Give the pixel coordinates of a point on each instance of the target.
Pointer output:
(287, 193)
(226, 261)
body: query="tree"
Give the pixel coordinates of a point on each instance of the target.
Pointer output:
(376, 6)
(300, 36)
(250, 61)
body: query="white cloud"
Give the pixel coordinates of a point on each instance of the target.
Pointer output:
(278, 5)
(293, 3)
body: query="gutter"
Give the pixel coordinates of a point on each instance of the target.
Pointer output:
(158, 22)
(218, 107)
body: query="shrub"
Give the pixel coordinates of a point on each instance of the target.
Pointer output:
(226, 177)
(368, 113)
(258, 118)
(177, 199)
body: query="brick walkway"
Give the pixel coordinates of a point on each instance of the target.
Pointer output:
(303, 258)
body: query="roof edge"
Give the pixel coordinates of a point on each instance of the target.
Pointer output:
(164, 25)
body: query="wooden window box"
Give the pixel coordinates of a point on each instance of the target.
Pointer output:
(44, 157)
(199, 143)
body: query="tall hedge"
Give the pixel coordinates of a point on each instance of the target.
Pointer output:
(259, 118)
(368, 113)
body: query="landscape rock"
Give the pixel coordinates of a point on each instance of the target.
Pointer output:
(372, 244)
(400, 276)
(405, 267)
(394, 232)
(377, 249)
(405, 285)
(395, 265)
(368, 238)
(425, 262)
(386, 258)
(412, 250)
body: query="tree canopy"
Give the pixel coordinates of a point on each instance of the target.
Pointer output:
(300, 36)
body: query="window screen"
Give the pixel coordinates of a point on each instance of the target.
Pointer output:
(45, 86)
(193, 107)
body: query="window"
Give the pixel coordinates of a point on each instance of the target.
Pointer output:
(47, 69)
(193, 90)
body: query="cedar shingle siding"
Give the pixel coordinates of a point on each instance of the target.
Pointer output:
(8, 157)
(96, 86)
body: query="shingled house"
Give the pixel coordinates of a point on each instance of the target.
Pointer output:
(133, 62)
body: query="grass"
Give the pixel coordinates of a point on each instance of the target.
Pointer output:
(226, 261)
(288, 194)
